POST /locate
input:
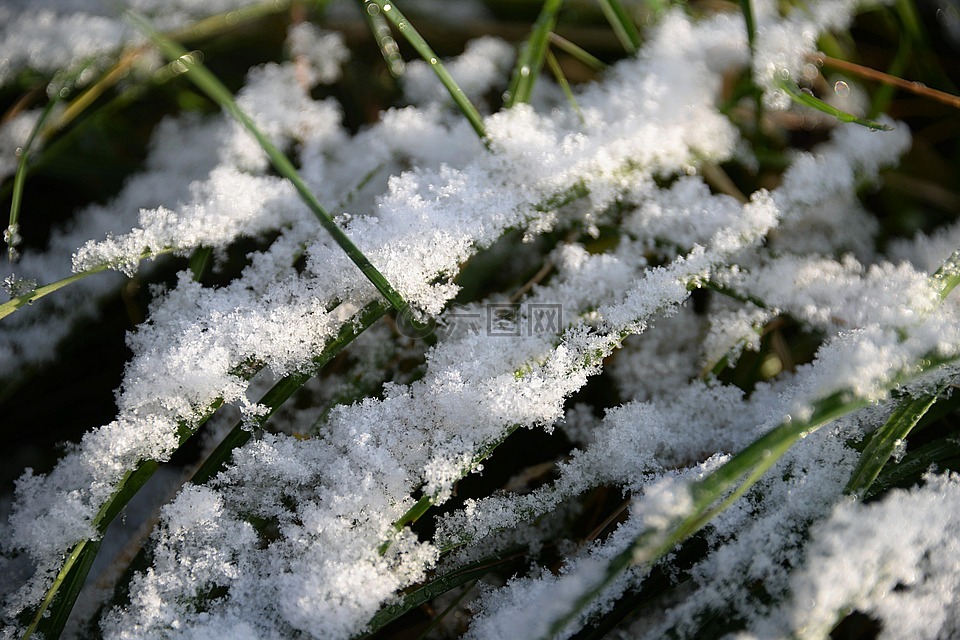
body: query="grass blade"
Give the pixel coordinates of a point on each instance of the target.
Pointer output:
(947, 277)
(577, 52)
(28, 298)
(562, 81)
(532, 55)
(622, 25)
(908, 412)
(811, 101)
(403, 25)
(210, 85)
(437, 587)
(885, 441)
(384, 37)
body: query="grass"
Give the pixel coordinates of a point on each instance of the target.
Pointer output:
(543, 45)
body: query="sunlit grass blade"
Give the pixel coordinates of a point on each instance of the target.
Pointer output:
(532, 55)
(18, 301)
(406, 29)
(884, 441)
(622, 25)
(210, 85)
(811, 101)
(29, 297)
(717, 491)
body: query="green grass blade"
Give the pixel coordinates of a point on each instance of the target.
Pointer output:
(12, 234)
(28, 298)
(58, 602)
(18, 301)
(908, 412)
(61, 596)
(532, 55)
(944, 453)
(811, 101)
(885, 441)
(718, 490)
(578, 53)
(66, 587)
(947, 276)
(406, 29)
(210, 85)
(622, 25)
(562, 81)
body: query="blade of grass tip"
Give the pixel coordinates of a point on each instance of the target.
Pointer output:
(18, 301)
(532, 55)
(811, 101)
(406, 29)
(210, 85)
(562, 81)
(947, 277)
(622, 24)
(577, 52)
(885, 441)
(384, 38)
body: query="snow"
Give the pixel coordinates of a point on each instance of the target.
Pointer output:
(297, 535)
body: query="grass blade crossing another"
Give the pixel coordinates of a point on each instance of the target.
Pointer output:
(398, 20)
(210, 85)
(532, 55)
